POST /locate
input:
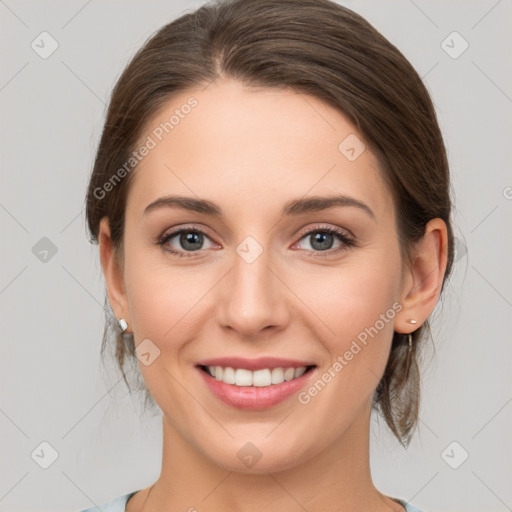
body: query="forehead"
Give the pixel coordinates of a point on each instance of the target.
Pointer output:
(252, 148)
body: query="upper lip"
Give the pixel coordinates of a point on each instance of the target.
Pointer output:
(255, 364)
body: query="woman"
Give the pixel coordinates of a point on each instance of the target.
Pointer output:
(271, 202)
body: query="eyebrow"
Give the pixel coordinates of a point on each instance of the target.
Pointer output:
(291, 208)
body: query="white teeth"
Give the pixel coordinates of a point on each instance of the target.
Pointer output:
(261, 378)
(299, 372)
(243, 377)
(229, 375)
(277, 376)
(258, 378)
(289, 373)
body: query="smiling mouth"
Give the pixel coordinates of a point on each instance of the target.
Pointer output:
(258, 378)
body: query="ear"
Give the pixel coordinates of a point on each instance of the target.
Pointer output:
(113, 272)
(423, 280)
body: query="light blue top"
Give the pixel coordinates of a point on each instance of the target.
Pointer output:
(119, 505)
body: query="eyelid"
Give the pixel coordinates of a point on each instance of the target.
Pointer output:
(347, 241)
(176, 230)
(325, 227)
(346, 238)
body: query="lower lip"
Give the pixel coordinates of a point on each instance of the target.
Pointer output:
(254, 397)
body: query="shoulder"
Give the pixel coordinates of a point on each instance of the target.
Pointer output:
(119, 504)
(411, 508)
(116, 505)
(408, 507)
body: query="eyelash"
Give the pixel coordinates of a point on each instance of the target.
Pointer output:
(347, 241)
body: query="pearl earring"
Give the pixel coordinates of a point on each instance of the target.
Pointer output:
(123, 324)
(412, 321)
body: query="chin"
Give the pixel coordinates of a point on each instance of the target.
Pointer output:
(259, 457)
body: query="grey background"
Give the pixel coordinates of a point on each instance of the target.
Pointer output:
(52, 385)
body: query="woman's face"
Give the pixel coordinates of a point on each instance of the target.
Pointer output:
(266, 276)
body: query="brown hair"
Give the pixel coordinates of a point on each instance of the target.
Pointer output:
(316, 47)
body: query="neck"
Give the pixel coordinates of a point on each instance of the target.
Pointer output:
(337, 478)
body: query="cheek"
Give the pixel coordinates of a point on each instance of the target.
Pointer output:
(358, 303)
(164, 306)
(351, 298)
(163, 301)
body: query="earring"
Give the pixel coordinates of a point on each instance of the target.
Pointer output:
(412, 321)
(123, 324)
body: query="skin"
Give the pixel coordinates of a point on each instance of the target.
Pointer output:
(250, 151)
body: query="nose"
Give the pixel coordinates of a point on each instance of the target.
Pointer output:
(253, 298)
